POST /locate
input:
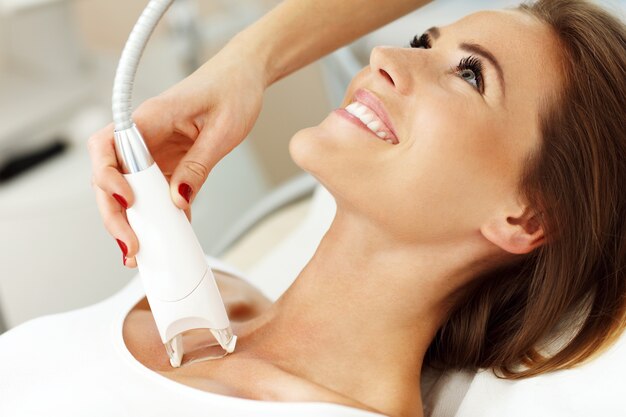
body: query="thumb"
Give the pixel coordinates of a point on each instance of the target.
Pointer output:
(191, 173)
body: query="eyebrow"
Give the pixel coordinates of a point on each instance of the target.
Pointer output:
(433, 31)
(474, 48)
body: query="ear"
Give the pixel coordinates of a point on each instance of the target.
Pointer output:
(517, 232)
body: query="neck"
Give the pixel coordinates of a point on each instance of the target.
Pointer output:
(361, 315)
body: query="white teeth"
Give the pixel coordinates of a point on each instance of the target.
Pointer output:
(375, 125)
(352, 106)
(368, 117)
(360, 110)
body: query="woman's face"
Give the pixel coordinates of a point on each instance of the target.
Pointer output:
(461, 110)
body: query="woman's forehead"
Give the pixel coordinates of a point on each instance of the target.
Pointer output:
(513, 23)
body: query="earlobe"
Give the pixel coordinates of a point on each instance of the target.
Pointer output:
(517, 234)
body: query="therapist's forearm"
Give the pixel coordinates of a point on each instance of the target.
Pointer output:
(297, 32)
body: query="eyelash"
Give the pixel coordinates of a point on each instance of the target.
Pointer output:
(421, 42)
(468, 63)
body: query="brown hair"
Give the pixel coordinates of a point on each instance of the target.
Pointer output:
(577, 180)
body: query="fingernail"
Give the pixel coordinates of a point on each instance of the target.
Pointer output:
(121, 200)
(185, 191)
(124, 249)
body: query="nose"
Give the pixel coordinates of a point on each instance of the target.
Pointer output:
(393, 67)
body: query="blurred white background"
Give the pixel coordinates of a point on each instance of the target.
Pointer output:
(57, 60)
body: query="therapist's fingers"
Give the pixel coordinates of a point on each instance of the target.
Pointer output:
(116, 223)
(221, 129)
(190, 174)
(105, 169)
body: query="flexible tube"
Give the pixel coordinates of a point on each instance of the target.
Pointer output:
(129, 61)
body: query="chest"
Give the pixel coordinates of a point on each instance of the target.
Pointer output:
(236, 375)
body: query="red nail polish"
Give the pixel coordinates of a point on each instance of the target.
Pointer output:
(121, 200)
(185, 191)
(124, 260)
(123, 247)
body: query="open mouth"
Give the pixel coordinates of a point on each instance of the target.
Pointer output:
(369, 111)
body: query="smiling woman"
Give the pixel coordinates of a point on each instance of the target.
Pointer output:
(471, 223)
(497, 216)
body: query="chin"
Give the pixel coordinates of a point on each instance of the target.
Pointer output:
(300, 149)
(354, 168)
(315, 151)
(312, 150)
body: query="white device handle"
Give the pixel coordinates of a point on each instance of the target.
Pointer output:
(171, 261)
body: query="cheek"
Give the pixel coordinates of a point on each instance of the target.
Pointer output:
(463, 141)
(453, 175)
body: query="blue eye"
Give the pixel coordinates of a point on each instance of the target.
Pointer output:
(469, 76)
(470, 69)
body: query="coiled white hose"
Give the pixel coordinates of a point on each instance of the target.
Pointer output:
(129, 61)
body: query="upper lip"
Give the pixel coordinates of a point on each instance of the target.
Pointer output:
(368, 98)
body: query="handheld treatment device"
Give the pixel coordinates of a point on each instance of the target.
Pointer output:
(178, 282)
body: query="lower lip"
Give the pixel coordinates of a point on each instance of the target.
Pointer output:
(355, 121)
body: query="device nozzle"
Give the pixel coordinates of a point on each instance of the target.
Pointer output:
(174, 349)
(198, 350)
(225, 338)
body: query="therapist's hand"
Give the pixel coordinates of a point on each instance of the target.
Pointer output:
(188, 129)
